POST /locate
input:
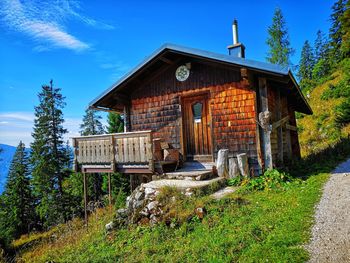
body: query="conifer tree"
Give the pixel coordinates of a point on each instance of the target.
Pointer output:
(49, 157)
(345, 22)
(91, 123)
(16, 202)
(320, 46)
(306, 62)
(115, 123)
(278, 41)
(335, 31)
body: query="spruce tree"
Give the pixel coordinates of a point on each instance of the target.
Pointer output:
(17, 205)
(345, 22)
(91, 123)
(115, 123)
(306, 62)
(49, 157)
(320, 46)
(278, 41)
(336, 30)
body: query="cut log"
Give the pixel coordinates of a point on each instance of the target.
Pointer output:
(243, 166)
(222, 163)
(233, 170)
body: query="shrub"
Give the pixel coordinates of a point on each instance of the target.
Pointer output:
(271, 179)
(342, 113)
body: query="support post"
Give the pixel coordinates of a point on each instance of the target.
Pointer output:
(264, 119)
(85, 199)
(109, 189)
(279, 129)
(126, 119)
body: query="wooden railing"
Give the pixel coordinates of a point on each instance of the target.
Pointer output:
(115, 152)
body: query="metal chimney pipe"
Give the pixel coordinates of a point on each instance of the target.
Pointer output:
(235, 32)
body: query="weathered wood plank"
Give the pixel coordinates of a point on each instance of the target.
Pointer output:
(279, 129)
(142, 150)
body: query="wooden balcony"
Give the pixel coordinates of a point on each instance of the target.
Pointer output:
(129, 152)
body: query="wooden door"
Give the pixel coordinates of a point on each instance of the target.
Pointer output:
(196, 121)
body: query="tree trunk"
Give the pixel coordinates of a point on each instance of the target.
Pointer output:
(221, 163)
(233, 168)
(242, 160)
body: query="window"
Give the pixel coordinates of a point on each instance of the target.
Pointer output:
(197, 111)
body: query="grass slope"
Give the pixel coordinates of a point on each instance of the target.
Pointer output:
(318, 131)
(245, 227)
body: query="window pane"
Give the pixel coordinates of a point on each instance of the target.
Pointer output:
(197, 111)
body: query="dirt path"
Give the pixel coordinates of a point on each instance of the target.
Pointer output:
(331, 233)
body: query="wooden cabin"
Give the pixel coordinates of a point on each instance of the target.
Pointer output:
(197, 102)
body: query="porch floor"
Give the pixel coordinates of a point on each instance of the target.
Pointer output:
(195, 171)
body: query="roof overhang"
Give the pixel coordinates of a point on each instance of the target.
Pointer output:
(160, 58)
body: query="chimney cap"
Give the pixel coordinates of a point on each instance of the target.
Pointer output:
(234, 22)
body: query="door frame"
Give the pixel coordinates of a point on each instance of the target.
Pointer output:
(206, 94)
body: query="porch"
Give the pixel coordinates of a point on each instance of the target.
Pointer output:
(128, 152)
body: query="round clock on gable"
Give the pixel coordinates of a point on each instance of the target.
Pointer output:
(182, 73)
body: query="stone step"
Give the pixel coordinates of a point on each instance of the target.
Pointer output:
(188, 186)
(189, 175)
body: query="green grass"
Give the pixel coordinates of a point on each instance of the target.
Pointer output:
(255, 226)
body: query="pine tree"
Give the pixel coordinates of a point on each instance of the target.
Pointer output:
(17, 202)
(91, 123)
(336, 30)
(306, 62)
(115, 123)
(345, 22)
(278, 41)
(320, 46)
(49, 157)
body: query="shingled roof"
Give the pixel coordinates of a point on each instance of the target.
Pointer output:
(256, 66)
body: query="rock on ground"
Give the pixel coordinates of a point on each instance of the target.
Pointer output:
(330, 240)
(223, 192)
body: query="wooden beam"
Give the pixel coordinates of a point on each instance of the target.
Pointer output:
(109, 189)
(168, 61)
(85, 199)
(267, 129)
(280, 122)
(253, 85)
(279, 128)
(291, 127)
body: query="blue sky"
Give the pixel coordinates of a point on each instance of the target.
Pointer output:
(85, 46)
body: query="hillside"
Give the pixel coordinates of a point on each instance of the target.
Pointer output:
(5, 160)
(319, 131)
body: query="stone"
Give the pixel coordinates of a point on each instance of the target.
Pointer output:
(149, 191)
(139, 195)
(109, 226)
(243, 166)
(222, 163)
(144, 212)
(137, 204)
(153, 220)
(233, 170)
(200, 212)
(123, 212)
(152, 206)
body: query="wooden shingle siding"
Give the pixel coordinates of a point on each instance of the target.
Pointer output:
(157, 106)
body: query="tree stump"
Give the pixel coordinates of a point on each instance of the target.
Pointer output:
(222, 163)
(243, 166)
(233, 170)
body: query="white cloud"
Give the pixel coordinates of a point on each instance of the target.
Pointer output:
(18, 126)
(44, 21)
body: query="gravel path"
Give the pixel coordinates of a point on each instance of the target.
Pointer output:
(330, 240)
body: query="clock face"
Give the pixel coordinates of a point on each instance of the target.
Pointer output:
(182, 73)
